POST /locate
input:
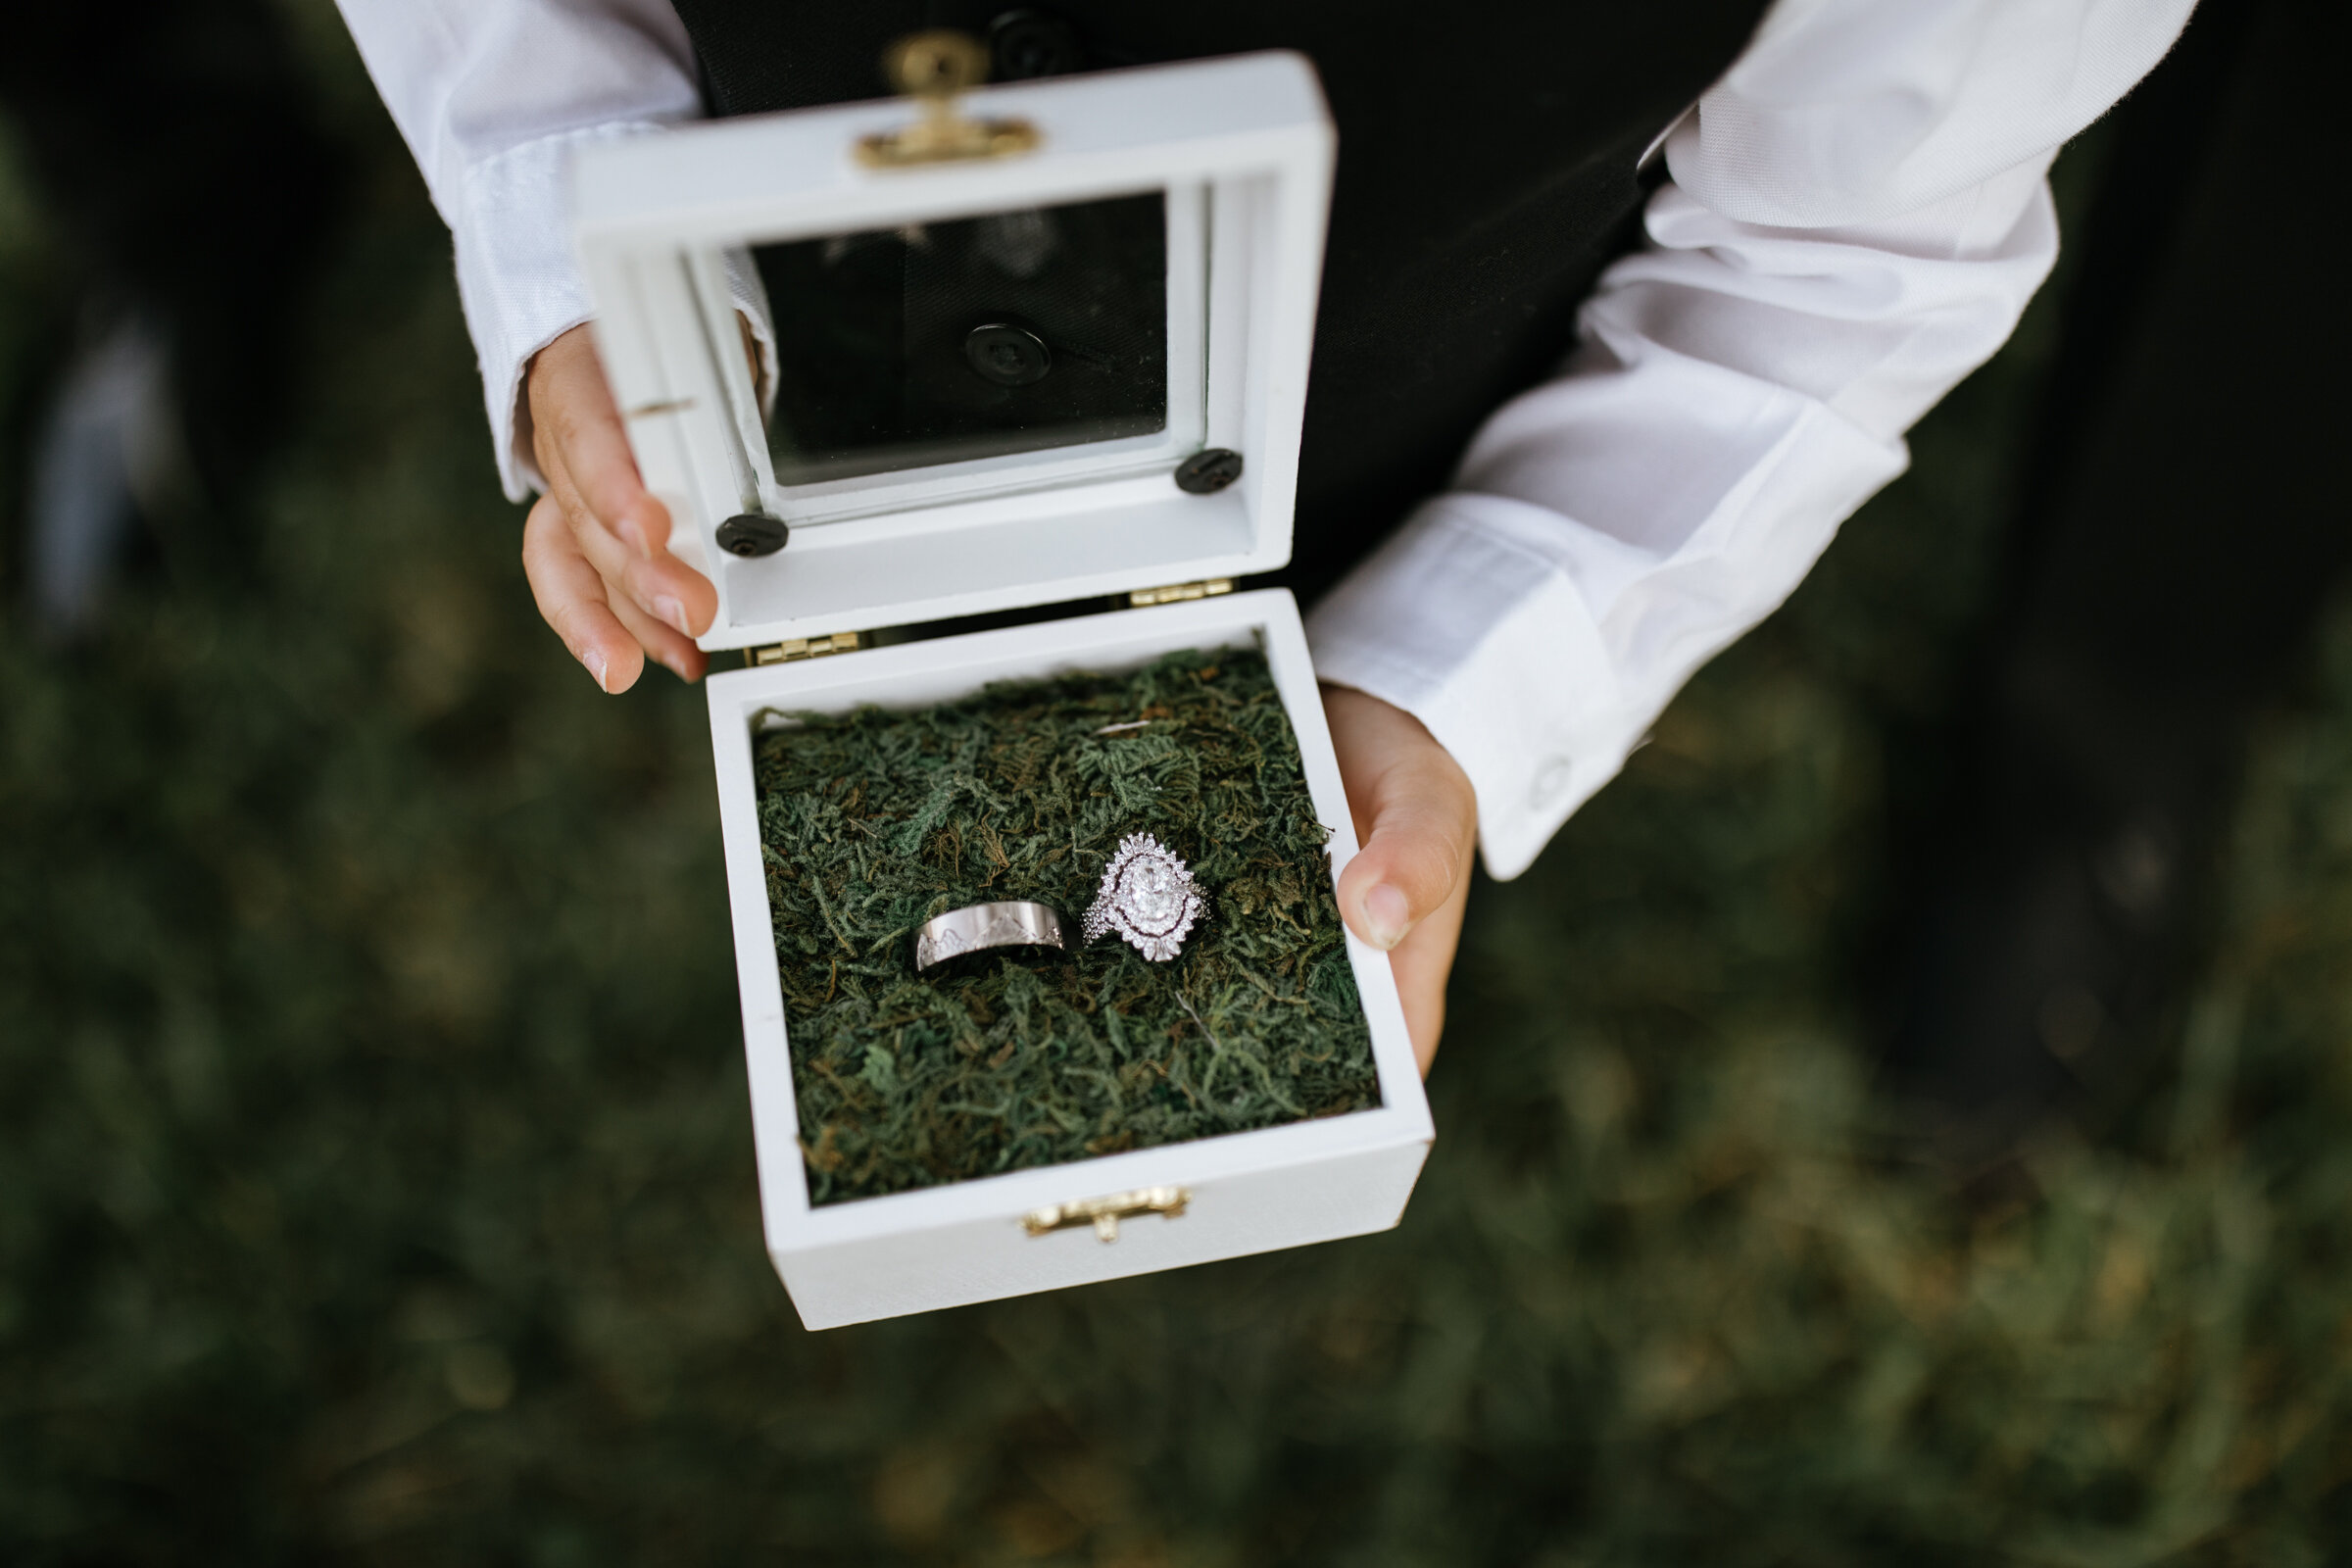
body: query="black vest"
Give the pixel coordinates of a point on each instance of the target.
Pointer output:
(1485, 175)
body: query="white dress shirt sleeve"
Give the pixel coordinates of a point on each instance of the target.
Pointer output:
(493, 96)
(1857, 215)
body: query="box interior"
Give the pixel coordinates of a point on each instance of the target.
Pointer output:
(878, 818)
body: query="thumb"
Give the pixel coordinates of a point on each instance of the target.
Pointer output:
(1416, 856)
(1417, 813)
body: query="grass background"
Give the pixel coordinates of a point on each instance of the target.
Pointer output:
(375, 1177)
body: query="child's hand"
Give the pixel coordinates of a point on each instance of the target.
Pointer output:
(1416, 816)
(596, 545)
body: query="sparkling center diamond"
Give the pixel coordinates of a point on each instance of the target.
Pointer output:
(1152, 894)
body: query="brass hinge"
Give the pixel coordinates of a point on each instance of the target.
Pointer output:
(1176, 592)
(1105, 1213)
(800, 648)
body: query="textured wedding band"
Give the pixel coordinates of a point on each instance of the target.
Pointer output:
(1013, 924)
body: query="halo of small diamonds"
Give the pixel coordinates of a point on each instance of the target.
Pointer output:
(1149, 897)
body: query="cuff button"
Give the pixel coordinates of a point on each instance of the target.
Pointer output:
(1552, 780)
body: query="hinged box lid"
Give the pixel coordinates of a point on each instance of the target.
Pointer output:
(992, 373)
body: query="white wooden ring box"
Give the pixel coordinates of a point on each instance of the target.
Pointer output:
(1240, 152)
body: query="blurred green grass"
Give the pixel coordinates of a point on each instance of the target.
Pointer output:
(376, 1179)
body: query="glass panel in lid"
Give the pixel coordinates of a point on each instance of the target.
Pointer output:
(1037, 329)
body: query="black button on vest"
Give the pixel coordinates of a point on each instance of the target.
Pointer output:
(1485, 175)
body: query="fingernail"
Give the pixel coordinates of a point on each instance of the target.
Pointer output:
(594, 660)
(672, 613)
(631, 535)
(1387, 916)
(676, 669)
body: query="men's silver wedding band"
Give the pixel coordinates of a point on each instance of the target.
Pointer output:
(1016, 923)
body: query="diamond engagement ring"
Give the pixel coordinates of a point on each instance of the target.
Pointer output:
(1149, 897)
(1017, 924)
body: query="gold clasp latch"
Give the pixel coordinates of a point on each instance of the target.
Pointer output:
(1105, 1213)
(932, 67)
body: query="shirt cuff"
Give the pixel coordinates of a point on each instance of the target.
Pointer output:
(1539, 651)
(1488, 643)
(519, 280)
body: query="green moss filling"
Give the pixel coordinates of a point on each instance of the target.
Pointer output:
(873, 821)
